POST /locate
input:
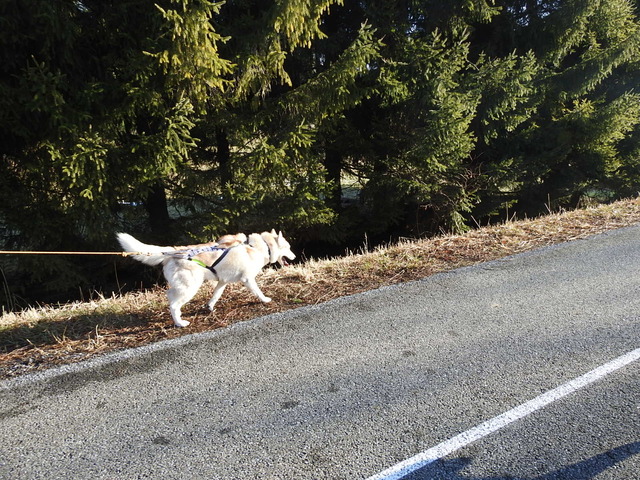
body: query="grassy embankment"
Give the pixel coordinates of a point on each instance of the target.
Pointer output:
(40, 338)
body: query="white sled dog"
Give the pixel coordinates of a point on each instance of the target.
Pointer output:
(233, 258)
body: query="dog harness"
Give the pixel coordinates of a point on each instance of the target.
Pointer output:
(190, 254)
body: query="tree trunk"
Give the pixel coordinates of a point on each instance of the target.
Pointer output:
(223, 155)
(333, 166)
(158, 211)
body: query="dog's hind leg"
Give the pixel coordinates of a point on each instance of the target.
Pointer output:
(251, 284)
(178, 296)
(184, 285)
(217, 293)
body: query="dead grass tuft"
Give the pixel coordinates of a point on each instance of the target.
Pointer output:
(36, 339)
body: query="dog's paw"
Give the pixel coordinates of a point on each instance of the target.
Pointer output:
(266, 300)
(181, 323)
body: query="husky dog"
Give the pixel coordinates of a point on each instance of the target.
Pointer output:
(233, 258)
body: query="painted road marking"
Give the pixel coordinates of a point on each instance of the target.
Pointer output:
(447, 447)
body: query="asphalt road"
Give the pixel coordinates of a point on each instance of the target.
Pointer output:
(346, 389)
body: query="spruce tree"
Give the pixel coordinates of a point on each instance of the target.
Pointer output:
(173, 104)
(263, 162)
(576, 114)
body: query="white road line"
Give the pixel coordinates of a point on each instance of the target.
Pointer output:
(447, 447)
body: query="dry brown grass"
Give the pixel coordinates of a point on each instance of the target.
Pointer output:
(40, 338)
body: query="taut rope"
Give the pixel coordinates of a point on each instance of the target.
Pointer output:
(34, 252)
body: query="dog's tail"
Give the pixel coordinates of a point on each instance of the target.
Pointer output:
(148, 254)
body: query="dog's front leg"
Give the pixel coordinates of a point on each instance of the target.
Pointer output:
(217, 293)
(251, 284)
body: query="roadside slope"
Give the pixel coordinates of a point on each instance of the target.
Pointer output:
(40, 338)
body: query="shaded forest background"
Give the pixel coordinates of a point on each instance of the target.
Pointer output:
(334, 120)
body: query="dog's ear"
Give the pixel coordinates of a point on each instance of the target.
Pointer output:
(273, 232)
(274, 249)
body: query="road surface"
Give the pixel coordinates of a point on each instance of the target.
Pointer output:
(351, 388)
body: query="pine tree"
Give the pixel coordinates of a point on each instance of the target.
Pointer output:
(418, 127)
(565, 149)
(483, 105)
(172, 103)
(263, 162)
(99, 104)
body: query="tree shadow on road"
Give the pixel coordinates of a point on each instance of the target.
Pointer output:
(585, 470)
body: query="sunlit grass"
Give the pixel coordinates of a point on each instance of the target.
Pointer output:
(38, 338)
